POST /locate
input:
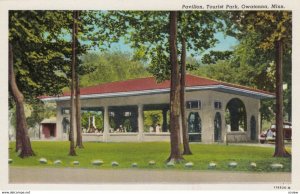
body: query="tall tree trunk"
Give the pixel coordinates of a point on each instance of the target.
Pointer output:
(175, 154)
(77, 92)
(279, 141)
(22, 138)
(185, 135)
(78, 115)
(18, 140)
(72, 101)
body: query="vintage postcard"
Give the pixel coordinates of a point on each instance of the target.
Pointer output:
(135, 95)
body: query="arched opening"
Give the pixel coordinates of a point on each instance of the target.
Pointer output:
(235, 115)
(194, 127)
(218, 127)
(253, 128)
(66, 125)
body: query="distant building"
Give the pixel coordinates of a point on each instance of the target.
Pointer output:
(214, 110)
(48, 129)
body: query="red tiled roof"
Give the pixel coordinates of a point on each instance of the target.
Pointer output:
(149, 83)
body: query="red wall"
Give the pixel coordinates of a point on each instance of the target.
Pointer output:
(47, 127)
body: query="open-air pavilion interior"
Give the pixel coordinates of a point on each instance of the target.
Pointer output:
(138, 110)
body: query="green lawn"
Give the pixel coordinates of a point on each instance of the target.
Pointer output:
(127, 153)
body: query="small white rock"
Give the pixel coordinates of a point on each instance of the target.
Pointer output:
(57, 162)
(97, 162)
(170, 164)
(212, 165)
(10, 161)
(276, 166)
(114, 163)
(134, 165)
(43, 160)
(232, 164)
(75, 162)
(151, 162)
(189, 164)
(253, 164)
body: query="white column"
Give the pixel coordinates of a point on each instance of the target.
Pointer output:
(207, 119)
(94, 121)
(258, 122)
(106, 124)
(140, 122)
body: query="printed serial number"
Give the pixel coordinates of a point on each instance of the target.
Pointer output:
(282, 187)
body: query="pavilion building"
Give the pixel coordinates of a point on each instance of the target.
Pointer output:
(215, 111)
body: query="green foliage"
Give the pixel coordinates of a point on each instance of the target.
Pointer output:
(253, 66)
(41, 43)
(35, 112)
(198, 28)
(40, 111)
(151, 118)
(111, 66)
(213, 56)
(272, 27)
(86, 115)
(248, 65)
(40, 51)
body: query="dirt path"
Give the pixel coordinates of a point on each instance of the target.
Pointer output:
(98, 176)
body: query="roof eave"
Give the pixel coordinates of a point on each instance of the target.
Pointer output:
(222, 88)
(246, 92)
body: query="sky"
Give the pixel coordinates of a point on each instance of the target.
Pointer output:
(225, 42)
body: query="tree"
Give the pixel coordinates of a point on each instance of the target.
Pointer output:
(22, 133)
(280, 150)
(185, 135)
(213, 56)
(196, 38)
(206, 24)
(35, 46)
(273, 31)
(40, 43)
(156, 43)
(112, 66)
(275, 28)
(77, 89)
(175, 154)
(73, 120)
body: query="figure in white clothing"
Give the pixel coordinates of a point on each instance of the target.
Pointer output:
(151, 129)
(157, 128)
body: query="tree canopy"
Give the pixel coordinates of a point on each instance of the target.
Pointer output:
(41, 53)
(111, 66)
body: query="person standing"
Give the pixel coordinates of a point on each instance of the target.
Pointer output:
(157, 128)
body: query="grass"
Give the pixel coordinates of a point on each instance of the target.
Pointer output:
(127, 153)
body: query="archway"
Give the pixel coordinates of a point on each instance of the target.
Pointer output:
(194, 127)
(253, 128)
(235, 115)
(218, 127)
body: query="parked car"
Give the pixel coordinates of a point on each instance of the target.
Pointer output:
(269, 135)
